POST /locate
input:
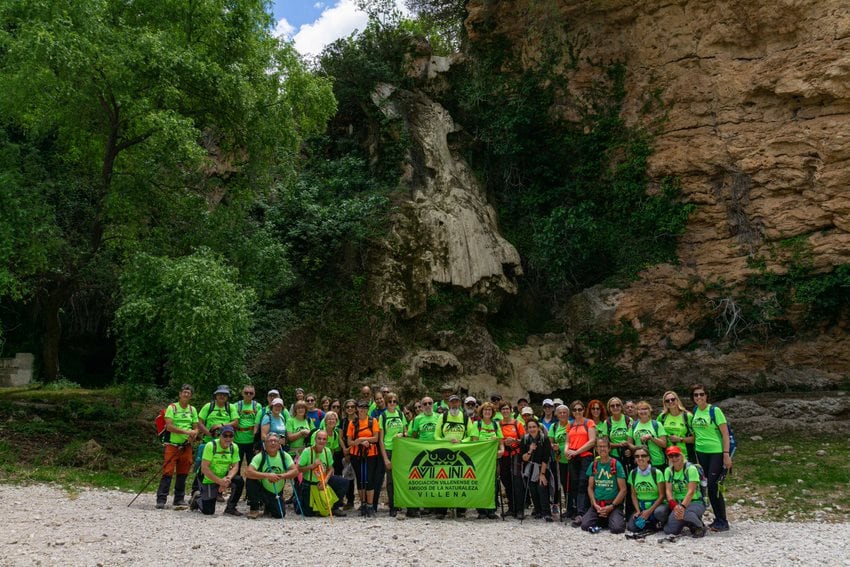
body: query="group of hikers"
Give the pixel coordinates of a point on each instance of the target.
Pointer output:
(593, 465)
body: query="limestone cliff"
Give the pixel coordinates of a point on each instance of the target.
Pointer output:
(758, 95)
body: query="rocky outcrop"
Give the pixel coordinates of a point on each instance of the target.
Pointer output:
(758, 108)
(443, 231)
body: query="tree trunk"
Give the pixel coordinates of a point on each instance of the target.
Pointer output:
(53, 332)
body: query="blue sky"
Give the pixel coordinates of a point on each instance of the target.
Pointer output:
(312, 24)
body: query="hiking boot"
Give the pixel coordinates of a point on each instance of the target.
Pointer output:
(715, 527)
(219, 498)
(363, 510)
(160, 505)
(460, 514)
(393, 512)
(698, 532)
(339, 513)
(180, 504)
(254, 514)
(492, 516)
(348, 506)
(576, 521)
(412, 513)
(232, 511)
(193, 501)
(440, 516)
(370, 512)
(549, 519)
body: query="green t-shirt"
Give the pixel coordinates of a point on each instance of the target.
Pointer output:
(559, 434)
(293, 425)
(676, 425)
(249, 416)
(214, 415)
(451, 427)
(681, 480)
(391, 424)
(486, 432)
(309, 456)
(618, 432)
(278, 464)
(656, 453)
(425, 426)
(605, 484)
(708, 437)
(181, 418)
(646, 487)
(220, 459)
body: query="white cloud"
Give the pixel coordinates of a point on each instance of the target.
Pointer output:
(283, 29)
(319, 5)
(334, 23)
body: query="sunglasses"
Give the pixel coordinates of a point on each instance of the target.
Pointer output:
(641, 456)
(392, 401)
(699, 394)
(596, 408)
(615, 406)
(427, 403)
(227, 435)
(335, 406)
(248, 393)
(471, 404)
(310, 400)
(578, 409)
(349, 407)
(670, 400)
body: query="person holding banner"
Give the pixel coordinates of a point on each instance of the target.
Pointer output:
(535, 453)
(362, 437)
(424, 428)
(456, 427)
(487, 431)
(393, 425)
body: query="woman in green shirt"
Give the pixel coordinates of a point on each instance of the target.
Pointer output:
(712, 447)
(678, 423)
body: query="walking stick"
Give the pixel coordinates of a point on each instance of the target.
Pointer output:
(277, 499)
(297, 499)
(158, 472)
(323, 483)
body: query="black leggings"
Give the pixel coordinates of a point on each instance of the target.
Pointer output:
(712, 464)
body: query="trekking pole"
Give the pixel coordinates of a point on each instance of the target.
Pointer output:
(525, 480)
(297, 499)
(323, 483)
(499, 492)
(277, 499)
(157, 472)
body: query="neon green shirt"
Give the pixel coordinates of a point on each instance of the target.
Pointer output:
(425, 426)
(181, 418)
(309, 457)
(333, 439)
(391, 424)
(293, 424)
(453, 427)
(559, 434)
(646, 487)
(707, 434)
(249, 416)
(486, 432)
(681, 480)
(676, 425)
(605, 484)
(656, 453)
(216, 415)
(618, 433)
(278, 464)
(219, 459)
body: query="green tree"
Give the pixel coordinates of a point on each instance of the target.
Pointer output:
(147, 125)
(187, 319)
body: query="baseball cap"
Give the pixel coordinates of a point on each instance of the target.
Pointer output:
(277, 401)
(275, 392)
(557, 402)
(222, 389)
(470, 400)
(548, 402)
(226, 429)
(527, 411)
(674, 450)
(454, 397)
(362, 404)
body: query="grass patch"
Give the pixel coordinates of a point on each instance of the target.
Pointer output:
(784, 478)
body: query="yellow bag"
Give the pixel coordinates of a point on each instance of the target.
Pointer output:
(321, 501)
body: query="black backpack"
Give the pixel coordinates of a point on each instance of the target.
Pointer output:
(441, 421)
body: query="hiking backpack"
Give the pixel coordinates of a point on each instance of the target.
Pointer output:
(161, 432)
(369, 422)
(613, 466)
(703, 480)
(442, 421)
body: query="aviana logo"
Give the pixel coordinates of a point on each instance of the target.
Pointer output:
(442, 464)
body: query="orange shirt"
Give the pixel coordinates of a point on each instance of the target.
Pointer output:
(363, 431)
(513, 430)
(578, 435)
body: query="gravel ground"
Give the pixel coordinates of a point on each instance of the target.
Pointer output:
(49, 526)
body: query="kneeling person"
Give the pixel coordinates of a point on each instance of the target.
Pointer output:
(685, 506)
(267, 475)
(317, 465)
(606, 486)
(220, 465)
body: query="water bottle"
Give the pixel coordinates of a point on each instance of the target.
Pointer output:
(595, 529)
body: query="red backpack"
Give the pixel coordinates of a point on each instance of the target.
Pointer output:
(161, 432)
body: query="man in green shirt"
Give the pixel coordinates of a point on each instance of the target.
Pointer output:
(606, 486)
(212, 417)
(266, 477)
(392, 425)
(423, 427)
(454, 426)
(316, 465)
(220, 466)
(250, 412)
(181, 422)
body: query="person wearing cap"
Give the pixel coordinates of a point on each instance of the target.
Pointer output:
(606, 488)
(684, 507)
(424, 428)
(527, 412)
(548, 419)
(220, 468)
(521, 404)
(181, 423)
(446, 391)
(266, 477)
(250, 413)
(496, 400)
(212, 417)
(393, 425)
(274, 422)
(456, 427)
(362, 437)
(470, 405)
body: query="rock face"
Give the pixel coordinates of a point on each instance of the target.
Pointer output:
(444, 230)
(758, 95)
